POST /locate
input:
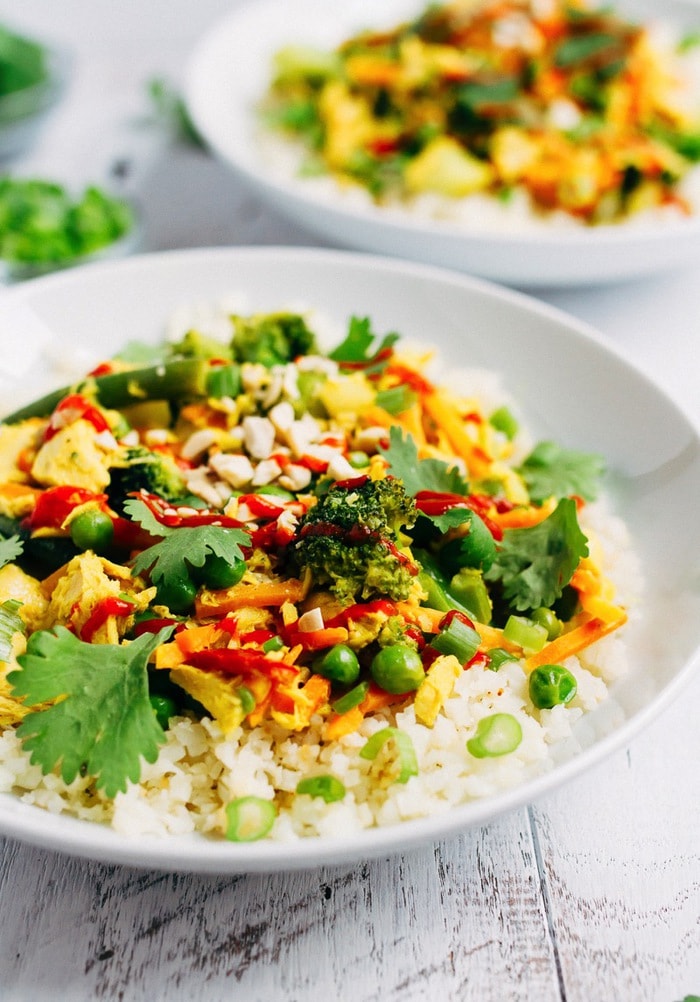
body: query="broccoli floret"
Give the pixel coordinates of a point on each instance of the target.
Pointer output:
(196, 345)
(271, 338)
(144, 470)
(349, 540)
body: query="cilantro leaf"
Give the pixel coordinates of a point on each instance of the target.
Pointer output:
(103, 721)
(140, 512)
(10, 623)
(10, 548)
(359, 350)
(535, 564)
(552, 471)
(420, 474)
(185, 547)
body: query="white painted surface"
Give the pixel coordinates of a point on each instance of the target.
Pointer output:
(592, 895)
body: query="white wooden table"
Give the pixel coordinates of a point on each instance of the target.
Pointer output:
(592, 895)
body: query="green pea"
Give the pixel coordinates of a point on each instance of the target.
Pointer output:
(328, 788)
(339, 664)
(397, 669)
(164, 708)
(178, 594)
(92, 529)
(550, 685)
(497, 734)
(547, 618)
(217, 572)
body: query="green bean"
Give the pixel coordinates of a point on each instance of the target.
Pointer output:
(180, 379)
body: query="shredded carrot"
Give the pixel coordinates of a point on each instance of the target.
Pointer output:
(447, 418)
(316, 640)
(574, 641)
(240, 596)
(340, 724)
(523, 517)
(197, 638)
(412, 421)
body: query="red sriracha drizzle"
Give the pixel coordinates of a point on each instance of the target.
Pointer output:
(105, 608)
(173, 518)
(438, 502)
(56, 503)
(241, 661)
(72, 408)
(357, 536)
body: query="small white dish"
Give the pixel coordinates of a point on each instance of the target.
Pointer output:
(570, 386)
(228, 74)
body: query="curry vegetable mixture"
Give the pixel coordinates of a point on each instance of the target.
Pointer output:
(264, 534)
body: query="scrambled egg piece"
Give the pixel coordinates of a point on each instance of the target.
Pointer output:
(217, 694)
(74, 456)
(84, 583)
(15, 584)
(14, 440)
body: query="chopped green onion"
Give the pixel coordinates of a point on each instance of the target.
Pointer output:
(329, 788)
(396, 399)
(273, 644)
(351, 699)
(522, 631)
(10, 623)
(497, 734)
(403, 748)
(457, 638)
(358, 460)
(224, 381)
(499, 656)
(502, 420)
(249, 819)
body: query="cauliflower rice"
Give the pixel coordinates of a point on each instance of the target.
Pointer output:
(199, 770)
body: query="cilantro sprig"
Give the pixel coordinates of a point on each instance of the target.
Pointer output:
(103, 722)
(534, 564)
(183, 547)
(11, 547)
(420, 474)
(360, 350)
(553, 471)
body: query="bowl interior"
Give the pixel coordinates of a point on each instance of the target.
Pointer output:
(569, 386)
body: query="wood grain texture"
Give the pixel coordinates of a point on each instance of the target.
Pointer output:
(464, 920)
(620, 854)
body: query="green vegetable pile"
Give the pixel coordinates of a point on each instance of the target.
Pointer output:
(41, 223)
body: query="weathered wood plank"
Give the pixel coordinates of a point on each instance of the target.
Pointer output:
(620, 852)
(461, 921)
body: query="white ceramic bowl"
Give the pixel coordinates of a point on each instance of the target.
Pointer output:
(570, 385)
(228, 74)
